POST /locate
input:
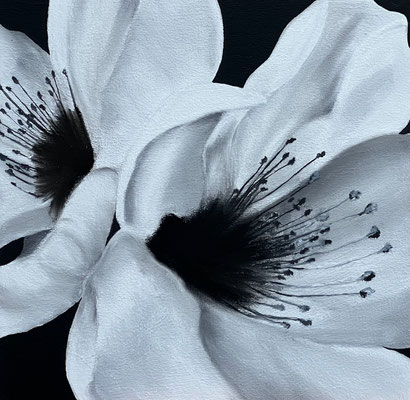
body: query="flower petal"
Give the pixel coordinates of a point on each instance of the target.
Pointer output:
(168, 177)
(20, 213)
(37, 287)
(379, 170)
(22, 58)
(265, 364)
(171, 46)
(24, 67)
(135, 334)
(89, 47)
(160, 180)
(353, 84)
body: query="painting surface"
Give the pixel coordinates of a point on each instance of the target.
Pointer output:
(33, 362)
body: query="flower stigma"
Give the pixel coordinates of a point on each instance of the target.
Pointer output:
(52, 149)
(248, 258)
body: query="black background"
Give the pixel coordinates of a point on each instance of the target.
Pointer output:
(32, 364)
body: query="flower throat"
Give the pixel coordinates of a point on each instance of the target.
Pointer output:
(246, 257)
(53, 150)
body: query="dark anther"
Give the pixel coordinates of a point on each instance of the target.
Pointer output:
(386, 248)
(369, 209)
(366, 292)
(354, 195)
(368, 276)
(374, 233)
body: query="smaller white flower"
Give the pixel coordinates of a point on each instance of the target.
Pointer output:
(270, 261)
(68, 118)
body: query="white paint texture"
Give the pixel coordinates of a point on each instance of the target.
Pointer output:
(127, 61)
(339, 81)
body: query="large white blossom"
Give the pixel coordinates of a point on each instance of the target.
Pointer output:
(67, 120)
(206, 293)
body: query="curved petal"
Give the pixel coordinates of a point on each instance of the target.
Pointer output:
(171, 46)
(265, 364)
(135, 334)
(146, 188)
(21, 214)
(294, 47)
(39, 286)
(354, 84)
(89, 47)
(23, 59)
(181, 107)
(353, 261)
(24, 67)
(168, 177)
(32, 242)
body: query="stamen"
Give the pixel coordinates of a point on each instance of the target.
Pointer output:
(53, 140)
(247, 259)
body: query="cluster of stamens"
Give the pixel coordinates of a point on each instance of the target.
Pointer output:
(246, 259)
(52, 149)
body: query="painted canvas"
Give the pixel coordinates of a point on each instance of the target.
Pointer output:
(204, 200)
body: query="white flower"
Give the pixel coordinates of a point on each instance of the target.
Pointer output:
(67, 120)
(265, 267)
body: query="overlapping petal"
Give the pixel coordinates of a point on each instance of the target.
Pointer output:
(136, 334)
(352, 84)
(273, 365)
(86, 38)
(19, 84)
(19, 55)
(171, 46)
(38, 286)
(181, 127)
(21, 214)
(168, 181)
(379, 170)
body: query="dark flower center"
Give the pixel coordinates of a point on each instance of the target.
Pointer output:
(53, 150)
(246, 257)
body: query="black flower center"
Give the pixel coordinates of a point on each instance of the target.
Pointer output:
(245, 257)
(53, 150)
